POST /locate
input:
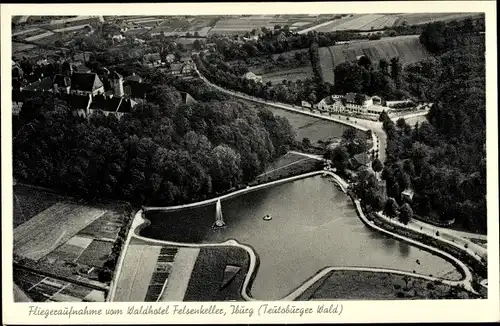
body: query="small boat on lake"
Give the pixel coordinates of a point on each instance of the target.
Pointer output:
(267, 217)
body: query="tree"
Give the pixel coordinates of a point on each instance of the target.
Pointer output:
(391, 207)
(197, 45)
(405, 213)
(339, 157)
(365, 62)
(377, 166)
(378, 203)
(306, 142)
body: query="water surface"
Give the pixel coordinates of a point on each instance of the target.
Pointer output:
(313, 225)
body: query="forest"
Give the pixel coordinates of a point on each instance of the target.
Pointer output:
(444, 160)
(163, 153)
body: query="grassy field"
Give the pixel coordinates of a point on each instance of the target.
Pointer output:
(358, 285)
(288, 74)
(54, 226)
(408, 48)
(29, 201)
(208, 273)
(296, 166)
(285, 160)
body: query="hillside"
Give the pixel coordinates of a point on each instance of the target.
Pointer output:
(408, 48)
(367, 22)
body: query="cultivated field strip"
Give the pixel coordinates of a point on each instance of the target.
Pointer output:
(47, 289)
(134, 280)
(424, 18)
(327, 64)
(54, 226)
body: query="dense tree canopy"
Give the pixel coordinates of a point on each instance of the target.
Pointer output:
(164, 152)
(443, 160)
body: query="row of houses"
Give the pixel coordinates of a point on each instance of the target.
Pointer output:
(354, 103)
(86, 93)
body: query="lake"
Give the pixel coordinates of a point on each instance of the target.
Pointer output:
(314, 225)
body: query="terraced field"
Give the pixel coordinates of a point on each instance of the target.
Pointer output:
(408, 48)
(424, 18)
(367, 22)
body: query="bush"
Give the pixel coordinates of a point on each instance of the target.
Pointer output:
(437, 233)
(430, 286)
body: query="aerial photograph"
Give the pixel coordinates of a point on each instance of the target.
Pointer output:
(249, 157)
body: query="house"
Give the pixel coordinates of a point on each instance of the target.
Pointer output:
(187, 98)
(62, 84)
(358, 99)
(117, 106)
(116, 83)
(251, 76)
(81, 68)
(361, 159)
(330, 104)
(170, 58)
(176, 68)
(133, 77)
(136, 90)
(377, 100)
(80, 104)
(41, 85)
(306, 104)
(152, 59)
(86, 83)
(17, 72)
(187, 68)
(118, 37)
(407, 195)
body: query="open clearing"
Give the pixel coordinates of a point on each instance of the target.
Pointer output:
(54, 226)
(277, 77)
(408, 48)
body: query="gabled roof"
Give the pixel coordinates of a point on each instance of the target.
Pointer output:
(176, 66)
(134, 77)
(41, 85)
(105, 103)
(62, 81)
(82, 69)
(77, 102)
(115, 75)
(85, 81)
(351, 97)
(362, 158)
(136, 89)
(187, 98)
(327, 100)
(152, 57)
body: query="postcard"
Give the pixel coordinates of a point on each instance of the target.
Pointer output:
(249, 162)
